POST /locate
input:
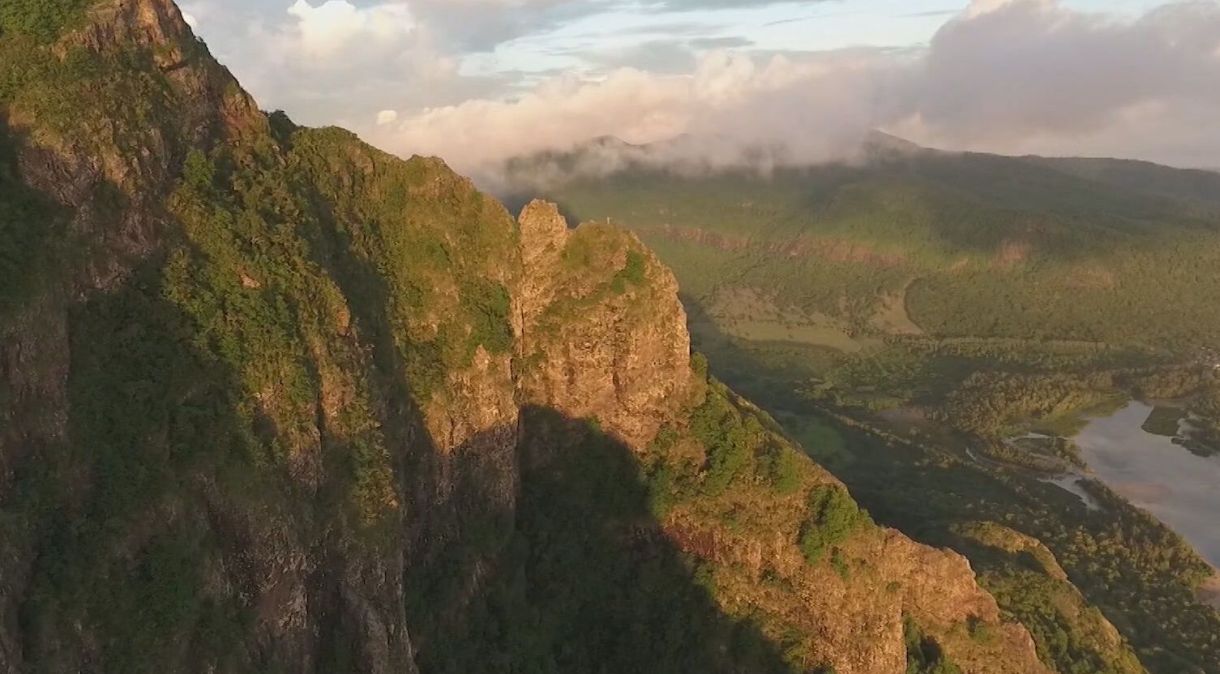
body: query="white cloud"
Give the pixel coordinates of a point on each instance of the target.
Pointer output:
(980, 7)
(630, 104)
(331, 61)
(1004, 75)
(335, 26)
(1032, 76)
(425, 76)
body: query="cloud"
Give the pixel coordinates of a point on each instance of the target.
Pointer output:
(1003, 75)
(629, 104)
(1030, 75)
(338, 27)
(690, 5)
(481, 25)
(333, 61)
(731, 109)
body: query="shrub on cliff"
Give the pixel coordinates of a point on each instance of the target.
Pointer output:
(833, 516)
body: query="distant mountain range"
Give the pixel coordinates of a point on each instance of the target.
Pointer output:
(975, 244)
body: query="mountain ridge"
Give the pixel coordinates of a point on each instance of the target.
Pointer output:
(276, 399)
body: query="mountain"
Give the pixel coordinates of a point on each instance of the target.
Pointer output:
(273, 400)
(972, 245)
(918, 250)
(912, 315)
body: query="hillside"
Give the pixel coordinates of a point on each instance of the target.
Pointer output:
(273, 400)
(907, 314)
(976, 245)
(889, 279)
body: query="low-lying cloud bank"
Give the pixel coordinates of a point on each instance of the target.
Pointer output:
(1011, 76)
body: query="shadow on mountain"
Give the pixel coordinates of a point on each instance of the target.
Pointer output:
(32, 227)
(585, 582)
(167, 534)
(117, 521)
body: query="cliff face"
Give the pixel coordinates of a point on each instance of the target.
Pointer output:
(273, 400)
(603, 333)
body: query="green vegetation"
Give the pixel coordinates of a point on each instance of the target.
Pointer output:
(720, 428)
(568, 596)
(970, 245)
(246, 380)
(631, 274)
(246, 400)
(926, 303)
(40, 19)
(1121, 559)
(149, 410)
(266, 354)
(738, 447)
(924, 655)
(780, 465)
(1029, 585)
(833, 518)
(30, 226)
(590, 279)
(987, 403)
(1164, 421)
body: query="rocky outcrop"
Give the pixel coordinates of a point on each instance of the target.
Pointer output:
(604, 335)
(544, 234)
(850, 612)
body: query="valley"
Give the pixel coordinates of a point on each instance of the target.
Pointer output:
(906, 316)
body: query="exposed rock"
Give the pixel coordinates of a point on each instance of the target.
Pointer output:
(597, 346)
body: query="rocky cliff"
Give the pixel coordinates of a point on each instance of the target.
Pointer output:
(272, 400)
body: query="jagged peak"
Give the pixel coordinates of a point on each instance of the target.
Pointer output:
(542, 223)
(159, 29)
(144, 23)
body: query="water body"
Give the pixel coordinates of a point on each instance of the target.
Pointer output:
(1177, 487)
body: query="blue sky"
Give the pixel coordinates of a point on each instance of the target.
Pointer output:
(478, 80)
(783, 26)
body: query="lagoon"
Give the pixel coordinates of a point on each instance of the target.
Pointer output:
(1177, 487)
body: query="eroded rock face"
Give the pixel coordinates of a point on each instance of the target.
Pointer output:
(544, 233)
(851, 612)
(597, 344)
(83, 170)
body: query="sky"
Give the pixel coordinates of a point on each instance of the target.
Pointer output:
(480, 81)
